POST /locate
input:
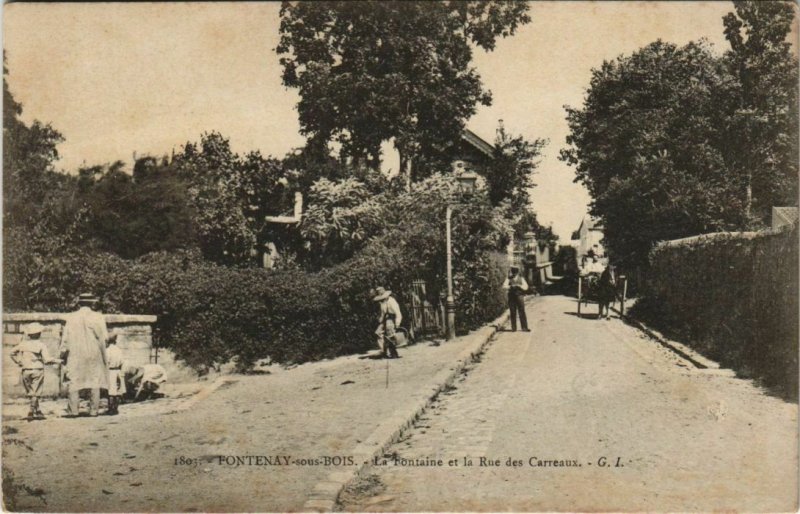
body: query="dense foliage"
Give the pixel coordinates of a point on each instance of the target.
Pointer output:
(370, 72)
(340, 219)
(209, 313)
(204, 197)
(132, 215)
(180, 236)
(231, 195)
(29, 152)
(509, 174)
(674, 141)
(763, 130)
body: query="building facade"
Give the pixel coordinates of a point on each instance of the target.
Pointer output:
(590, 237)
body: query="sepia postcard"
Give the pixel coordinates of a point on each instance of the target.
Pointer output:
(381, 256)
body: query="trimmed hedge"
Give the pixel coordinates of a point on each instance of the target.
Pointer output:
(209, 314)
(734, 298)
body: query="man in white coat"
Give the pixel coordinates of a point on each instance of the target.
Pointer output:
(83, 347)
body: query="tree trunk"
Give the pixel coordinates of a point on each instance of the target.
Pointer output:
(405, 167)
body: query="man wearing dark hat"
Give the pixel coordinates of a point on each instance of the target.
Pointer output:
(83, 346)
(389, 319)
(516, 286)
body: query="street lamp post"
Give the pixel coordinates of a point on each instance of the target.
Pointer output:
(466, 183)
(450, 305)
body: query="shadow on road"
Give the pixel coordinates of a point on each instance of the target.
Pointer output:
(584, 315)
(563, 286)
(376, 357)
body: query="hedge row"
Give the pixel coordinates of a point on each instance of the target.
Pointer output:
(211, 314)
(734, 298)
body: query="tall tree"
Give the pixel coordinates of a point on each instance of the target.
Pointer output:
(134, 215)
(763, 131)
(29, 156)
(231, 195)
(649, 144)
(509, 175)
(369, 72)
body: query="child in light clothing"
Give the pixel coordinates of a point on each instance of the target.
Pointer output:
(31, 355)
(116, 380)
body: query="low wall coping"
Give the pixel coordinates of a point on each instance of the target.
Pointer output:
(717, 235)
(60, 317)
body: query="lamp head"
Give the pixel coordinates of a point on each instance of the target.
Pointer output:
(467, 182)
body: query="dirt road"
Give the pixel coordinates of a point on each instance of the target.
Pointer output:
(258, 443)
(588, 415)
(609, 419)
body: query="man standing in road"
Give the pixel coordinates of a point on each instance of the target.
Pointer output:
(83, 346)
(516, 286)
(389, 319)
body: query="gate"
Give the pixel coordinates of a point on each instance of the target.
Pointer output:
(426, 312)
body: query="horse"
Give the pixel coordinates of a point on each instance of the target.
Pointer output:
(606, 291)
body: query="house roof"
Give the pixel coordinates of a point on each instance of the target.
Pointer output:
(591, 223)
(477, 142)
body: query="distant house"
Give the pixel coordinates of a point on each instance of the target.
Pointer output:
(784, 216)
(590, 237)
(471, 152)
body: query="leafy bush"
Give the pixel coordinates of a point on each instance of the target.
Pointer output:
(209, 313)
(340, 217)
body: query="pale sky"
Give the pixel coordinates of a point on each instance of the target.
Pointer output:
(147, 77)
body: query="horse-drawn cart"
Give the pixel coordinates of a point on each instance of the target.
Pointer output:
(590, 289)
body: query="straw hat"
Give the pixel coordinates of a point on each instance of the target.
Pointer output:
(381, 294)
(34, 328)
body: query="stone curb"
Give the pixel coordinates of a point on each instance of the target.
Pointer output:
(326, 493)
(703, 364)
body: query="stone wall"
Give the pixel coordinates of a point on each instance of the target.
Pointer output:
(134, 338)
